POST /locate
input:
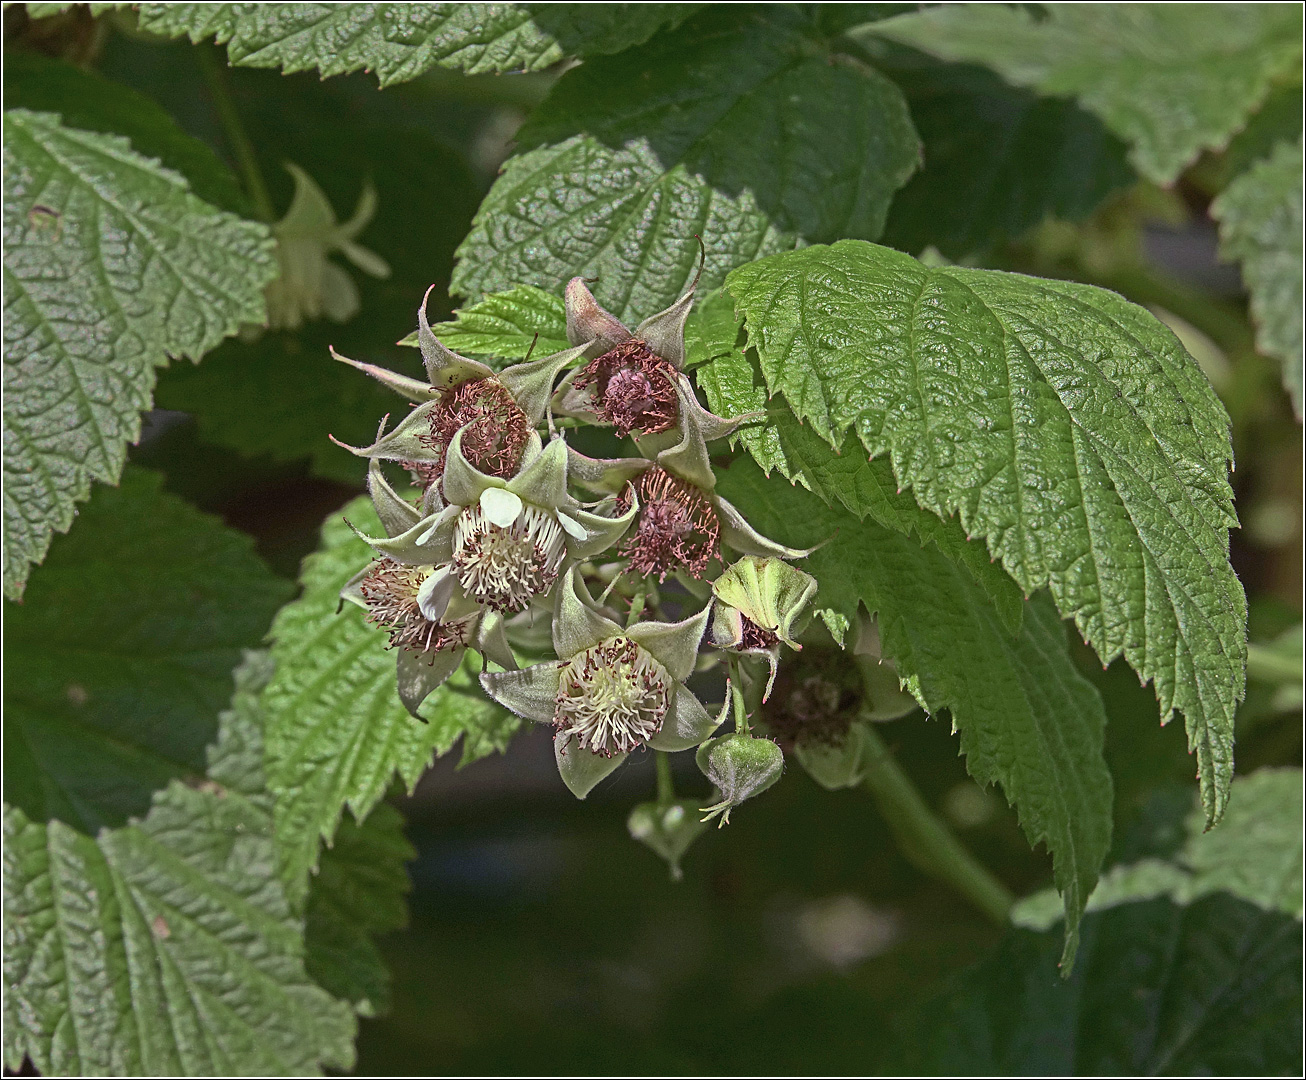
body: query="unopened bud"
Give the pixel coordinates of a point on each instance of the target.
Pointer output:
(740, 766)
(668, 829)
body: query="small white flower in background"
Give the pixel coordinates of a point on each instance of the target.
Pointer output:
(310, 286)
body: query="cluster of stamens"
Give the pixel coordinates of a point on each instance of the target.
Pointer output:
(677, 527)
(612, 697)
(754, 636)
(497, 434)
(634, 389)
(503, 567)
(815, 710)
(390, 591)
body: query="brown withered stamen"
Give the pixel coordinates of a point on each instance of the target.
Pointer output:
(391, 594)
(754, 636)
(634, 389)
(814, 711)
(677, 527)
(498, 433)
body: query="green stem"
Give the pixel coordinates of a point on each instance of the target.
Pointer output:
(925, 840)
(636, 605)
(216, 77)
(737, 697)
(666, 792)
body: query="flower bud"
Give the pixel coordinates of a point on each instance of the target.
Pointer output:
(740, 766)
(668, 829)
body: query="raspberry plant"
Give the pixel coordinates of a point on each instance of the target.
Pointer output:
(795, 403)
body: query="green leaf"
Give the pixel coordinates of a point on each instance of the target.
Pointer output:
(1255, 855)
(120, 658)
(111, 266)
(166, 947)
(358, 892)
(741, 126)
(1028, 720)
(1208, 939)
(1213, 988)
(504, 326)
(88, 101)
(734, 386)
(401, 41)
(998, 160)
(281, 395)
(336, 731)
(1172, 80)
(1260, 216)
(1064, 425)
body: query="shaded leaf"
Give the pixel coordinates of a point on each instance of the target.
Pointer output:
(166, 947)
(997, 160)
(358, 892)
(111, 266)
(740, 126)
(1028, 720)
(120, 658)
(1170, 79)
(1260, 216)
(401, 41)
(1064, 425)
(1213, 988)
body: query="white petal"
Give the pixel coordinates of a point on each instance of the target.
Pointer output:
(572, 527)
(500, 506)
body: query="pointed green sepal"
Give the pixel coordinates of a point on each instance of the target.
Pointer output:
(428, 543)
(444, 367)
(421, 673)
(413, 390)
(351, 591)
(529, 692)
(588, 324)
(664, 333)
(531, 384)
(580, 770)
(543, 481)
(576, 625)
(667, 829)
(687, 723)
(603, 475)
(397, 514)
(410, 441)
(673, 645)
(743, 538)
(492, 641)
(601, 531)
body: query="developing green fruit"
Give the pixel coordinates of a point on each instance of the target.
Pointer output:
(740, 766)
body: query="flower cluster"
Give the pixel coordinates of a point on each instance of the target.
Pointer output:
(513, 529)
